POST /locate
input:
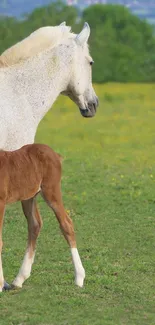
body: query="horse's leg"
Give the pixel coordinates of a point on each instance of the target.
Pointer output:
(54, 200)
(34, 225)
(2, 208)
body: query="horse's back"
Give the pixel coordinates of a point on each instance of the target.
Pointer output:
(45, 154)
(38, 41)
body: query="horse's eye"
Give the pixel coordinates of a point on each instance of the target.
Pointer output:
(91, 62)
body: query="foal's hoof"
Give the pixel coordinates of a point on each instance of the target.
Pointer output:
(6, 286)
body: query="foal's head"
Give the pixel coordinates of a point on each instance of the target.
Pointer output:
(80, 88)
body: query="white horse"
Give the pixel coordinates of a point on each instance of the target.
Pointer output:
(29, 88)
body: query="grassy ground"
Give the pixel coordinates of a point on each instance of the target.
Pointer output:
(109, 188)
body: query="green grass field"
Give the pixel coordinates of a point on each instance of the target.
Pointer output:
(109, 189)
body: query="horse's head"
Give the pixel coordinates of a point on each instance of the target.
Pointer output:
(80, 88)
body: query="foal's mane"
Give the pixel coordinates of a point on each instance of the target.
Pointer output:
(38, 41)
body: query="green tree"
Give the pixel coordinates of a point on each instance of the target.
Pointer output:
(53, 14)
(121, 44)
(13, 30)
(8, 32)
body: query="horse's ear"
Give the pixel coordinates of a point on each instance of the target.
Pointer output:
(84, 35)
(63, 24)
(64, 27)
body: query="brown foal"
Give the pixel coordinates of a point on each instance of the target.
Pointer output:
(24, 173)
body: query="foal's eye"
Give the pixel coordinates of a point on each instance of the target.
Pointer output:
(91, 62)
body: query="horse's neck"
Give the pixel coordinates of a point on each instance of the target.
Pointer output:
(43, 78)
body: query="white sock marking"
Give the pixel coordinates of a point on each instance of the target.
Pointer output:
(1, 275)
(79, 270)
(24, 271)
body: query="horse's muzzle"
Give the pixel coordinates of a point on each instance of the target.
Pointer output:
(90, 111)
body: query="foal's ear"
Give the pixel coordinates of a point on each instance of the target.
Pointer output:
(84, 35)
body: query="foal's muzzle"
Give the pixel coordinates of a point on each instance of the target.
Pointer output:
(90, 111)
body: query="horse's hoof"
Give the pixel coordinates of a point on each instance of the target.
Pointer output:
(6, 286)
(14, 287)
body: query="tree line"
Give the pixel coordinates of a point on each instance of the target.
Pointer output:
(122, 45)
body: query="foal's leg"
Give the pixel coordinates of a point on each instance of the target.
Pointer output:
(2, 207)
(54, 200)
(34, 225)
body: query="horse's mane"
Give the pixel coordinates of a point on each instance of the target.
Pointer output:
(36, 42)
